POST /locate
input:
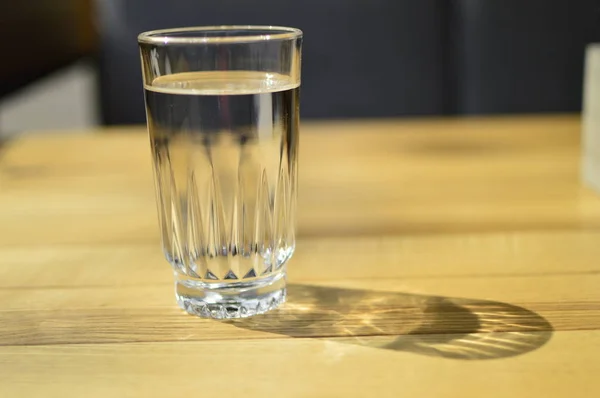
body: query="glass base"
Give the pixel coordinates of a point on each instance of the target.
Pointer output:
(230, 300)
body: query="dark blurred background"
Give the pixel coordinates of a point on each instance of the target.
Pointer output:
(75, 63)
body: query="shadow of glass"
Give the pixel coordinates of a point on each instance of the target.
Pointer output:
(429, 325)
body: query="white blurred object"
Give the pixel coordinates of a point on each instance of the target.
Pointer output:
(591, 118)
(66, 99)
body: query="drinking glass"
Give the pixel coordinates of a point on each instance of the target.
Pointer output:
(222, 106)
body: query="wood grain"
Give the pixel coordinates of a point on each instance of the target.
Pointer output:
(359, 178)
(566, 366)
(439, 258)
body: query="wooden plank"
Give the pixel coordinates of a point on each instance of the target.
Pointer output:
(442, 258)
(101, 294)
(438, 366)
(128, 314)
(381, 178)
(475, 256)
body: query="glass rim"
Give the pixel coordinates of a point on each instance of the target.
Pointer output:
(164, 36)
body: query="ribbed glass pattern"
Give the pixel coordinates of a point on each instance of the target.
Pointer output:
(227, 211)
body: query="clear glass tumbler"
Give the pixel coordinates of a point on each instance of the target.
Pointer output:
(222, 105)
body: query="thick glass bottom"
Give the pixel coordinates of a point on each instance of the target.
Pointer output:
(230, 300)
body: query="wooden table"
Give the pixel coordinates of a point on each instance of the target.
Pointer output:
(436, 258)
